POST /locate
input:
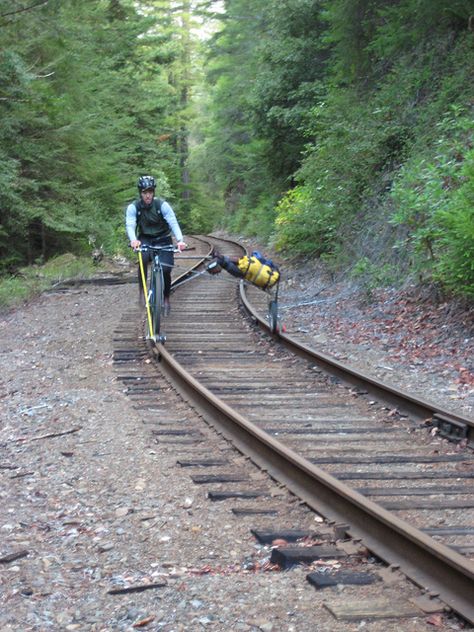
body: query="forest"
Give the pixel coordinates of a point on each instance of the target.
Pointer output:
(337, 130)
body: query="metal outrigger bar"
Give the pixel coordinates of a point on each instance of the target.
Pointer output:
(192, 275)
(272, 316)
(195, 275)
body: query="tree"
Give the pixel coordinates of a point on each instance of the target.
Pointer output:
(79, 108)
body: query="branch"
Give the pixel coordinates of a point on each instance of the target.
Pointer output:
(47, 436)
(33, 6)
(50, 74)
(13, 99)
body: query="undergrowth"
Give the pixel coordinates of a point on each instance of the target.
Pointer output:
(31, 281)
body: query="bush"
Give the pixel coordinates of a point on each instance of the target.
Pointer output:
(455, 267)
(302, 228)
(434, 198)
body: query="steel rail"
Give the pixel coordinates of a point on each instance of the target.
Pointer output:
(428, 563)
(199, 260)
(451, 425)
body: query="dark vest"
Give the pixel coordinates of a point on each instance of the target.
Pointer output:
(151, 222)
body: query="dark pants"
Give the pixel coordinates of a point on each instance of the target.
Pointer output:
(166, 258)
(231, 266)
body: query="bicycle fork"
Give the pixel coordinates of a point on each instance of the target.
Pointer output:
(147, 295)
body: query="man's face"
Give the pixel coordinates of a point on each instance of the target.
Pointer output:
(147, 196)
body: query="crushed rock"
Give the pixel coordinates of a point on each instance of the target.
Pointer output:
(98, 506)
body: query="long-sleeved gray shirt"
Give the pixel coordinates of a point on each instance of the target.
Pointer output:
(167, 212)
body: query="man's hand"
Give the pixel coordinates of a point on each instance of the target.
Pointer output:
(136, 243)
(181, 245)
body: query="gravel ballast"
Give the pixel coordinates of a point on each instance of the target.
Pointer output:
(109, 533)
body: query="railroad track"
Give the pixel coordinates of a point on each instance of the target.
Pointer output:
(373, 461)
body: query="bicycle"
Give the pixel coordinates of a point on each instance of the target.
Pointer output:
(155, 292)
(154, 297)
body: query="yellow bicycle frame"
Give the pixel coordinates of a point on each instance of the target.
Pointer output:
(145, 292)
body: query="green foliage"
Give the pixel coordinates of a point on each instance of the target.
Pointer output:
(335, 128)
(402, 26)
(254, 224)
(288, 86)
(371, 275)
(455, 267)
(14, 290)
(350, 25)
(336, 102)
(301, 227)
(83, 110)
(227, 155)
(400, 135)
(362, 132)
(62, 267)
(353, 153)
(32, 280)
(433, 196)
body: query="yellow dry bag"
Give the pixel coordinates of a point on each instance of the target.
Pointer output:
(258, 270)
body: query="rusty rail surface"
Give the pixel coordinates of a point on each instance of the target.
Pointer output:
(450, 424)
(428, 563)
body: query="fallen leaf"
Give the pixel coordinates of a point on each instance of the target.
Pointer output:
(143, 622)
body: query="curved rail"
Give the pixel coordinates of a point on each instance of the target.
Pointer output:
(451, 425)
(425, 561)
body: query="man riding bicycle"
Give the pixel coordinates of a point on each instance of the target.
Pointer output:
(151, 222)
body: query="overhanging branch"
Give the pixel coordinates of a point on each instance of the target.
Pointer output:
(22, 10)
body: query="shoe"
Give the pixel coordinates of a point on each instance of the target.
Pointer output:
(166, 307)
(214, 267)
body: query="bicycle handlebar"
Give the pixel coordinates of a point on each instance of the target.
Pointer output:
(146, 247)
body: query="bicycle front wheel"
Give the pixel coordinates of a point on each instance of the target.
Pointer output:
(156, 302)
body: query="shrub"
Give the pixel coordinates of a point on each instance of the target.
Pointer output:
(434, 198)
(301, 226)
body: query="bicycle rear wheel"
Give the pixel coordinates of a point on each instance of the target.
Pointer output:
(156, 303)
